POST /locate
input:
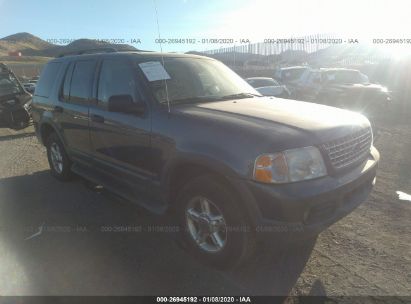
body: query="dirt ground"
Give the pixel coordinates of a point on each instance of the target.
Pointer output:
(366, 253)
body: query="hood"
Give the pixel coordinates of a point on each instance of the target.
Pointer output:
(271, 113)
(297, 114)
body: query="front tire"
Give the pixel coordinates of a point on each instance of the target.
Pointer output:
(214, 227)
(59, 162)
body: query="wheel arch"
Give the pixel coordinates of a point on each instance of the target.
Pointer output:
(183, 171)
(45, 129)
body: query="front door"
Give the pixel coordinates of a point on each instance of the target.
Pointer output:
(120, 141)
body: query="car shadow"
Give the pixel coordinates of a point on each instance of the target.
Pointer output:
(72, 239)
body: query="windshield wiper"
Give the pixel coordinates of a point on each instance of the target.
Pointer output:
(240, 95)
(195, 99)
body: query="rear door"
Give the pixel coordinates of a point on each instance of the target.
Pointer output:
(121, 141)
(73, 110)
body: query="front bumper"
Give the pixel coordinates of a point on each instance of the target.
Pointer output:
(304, 209)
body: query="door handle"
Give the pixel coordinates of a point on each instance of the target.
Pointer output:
(97, 118)
(58, 109)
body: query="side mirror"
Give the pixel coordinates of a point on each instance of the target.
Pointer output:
(125, 104)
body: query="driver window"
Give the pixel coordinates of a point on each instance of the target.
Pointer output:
(116, 78)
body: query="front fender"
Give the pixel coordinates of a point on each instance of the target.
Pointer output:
(234, 181)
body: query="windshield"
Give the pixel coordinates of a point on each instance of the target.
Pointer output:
(346, 77)
(266, 82)
(199, 80)
(9, 85)
(292, 74)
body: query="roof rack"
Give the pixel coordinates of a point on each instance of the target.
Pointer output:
(89, 51)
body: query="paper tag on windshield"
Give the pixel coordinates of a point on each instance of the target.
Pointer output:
(154, 71)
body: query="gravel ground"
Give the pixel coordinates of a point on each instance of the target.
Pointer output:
(366, 253)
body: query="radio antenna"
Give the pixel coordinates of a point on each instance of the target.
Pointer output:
(162, 57)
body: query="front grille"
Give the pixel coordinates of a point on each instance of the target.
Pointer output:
(349, 149)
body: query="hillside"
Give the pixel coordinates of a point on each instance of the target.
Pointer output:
(22, 41)
(77, 45)
(30, 45)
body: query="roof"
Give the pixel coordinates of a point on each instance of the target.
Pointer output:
(138, 54)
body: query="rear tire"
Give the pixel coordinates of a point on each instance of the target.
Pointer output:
(208, 211)
(60, 164)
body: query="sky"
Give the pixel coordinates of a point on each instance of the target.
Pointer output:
(135, 22)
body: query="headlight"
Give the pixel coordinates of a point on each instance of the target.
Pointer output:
(384, 90)
(289, 166)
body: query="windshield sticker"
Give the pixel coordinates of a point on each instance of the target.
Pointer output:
(153, 70)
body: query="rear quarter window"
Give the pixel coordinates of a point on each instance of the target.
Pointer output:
(47, 79)
(82, 81)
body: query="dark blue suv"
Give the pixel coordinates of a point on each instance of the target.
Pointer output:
(185, 134)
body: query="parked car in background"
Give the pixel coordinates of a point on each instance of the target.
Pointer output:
(268, 87)
(15, 101)
(184, 134)
(344, 88)
(290, 76)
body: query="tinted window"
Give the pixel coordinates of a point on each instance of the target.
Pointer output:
(82, 81)
(116, 78)
(67, 81)
(47, 78)
(292, 74)
(258, 83)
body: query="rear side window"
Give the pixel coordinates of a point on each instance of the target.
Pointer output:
(65, 94)
(116, 78)
(81, 81)
(47, 78)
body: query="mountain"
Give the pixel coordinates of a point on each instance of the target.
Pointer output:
(22, 41)
(30, 45)
(75, 46)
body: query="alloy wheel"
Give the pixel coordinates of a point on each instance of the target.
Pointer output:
(56, 157)
(206, 224)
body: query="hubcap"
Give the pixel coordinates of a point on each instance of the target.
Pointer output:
(56, 157)
(206, 224)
